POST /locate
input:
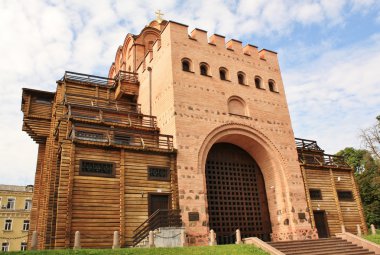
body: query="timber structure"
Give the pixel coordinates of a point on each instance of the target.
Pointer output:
(185, 130)
(99, 160)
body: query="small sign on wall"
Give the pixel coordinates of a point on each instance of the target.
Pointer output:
(193, 216)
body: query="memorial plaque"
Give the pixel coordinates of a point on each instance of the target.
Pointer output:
(193, 216)
(302, 216)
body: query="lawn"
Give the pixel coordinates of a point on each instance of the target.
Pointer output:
(204, 250)
(374, 238)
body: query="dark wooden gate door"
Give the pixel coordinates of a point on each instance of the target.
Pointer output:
(236, 194)
(158, 201)
(321, 224)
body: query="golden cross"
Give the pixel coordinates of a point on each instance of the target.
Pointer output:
(159, 16)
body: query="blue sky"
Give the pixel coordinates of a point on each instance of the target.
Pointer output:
(329, 53)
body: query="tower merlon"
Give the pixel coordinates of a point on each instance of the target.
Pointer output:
(250, 50)
(234, 45)
(217, 40)
(200, 35)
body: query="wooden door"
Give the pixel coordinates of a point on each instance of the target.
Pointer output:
(321, 224)
(236, 194)
(158, 201)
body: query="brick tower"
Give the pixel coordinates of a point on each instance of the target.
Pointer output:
(206, 91)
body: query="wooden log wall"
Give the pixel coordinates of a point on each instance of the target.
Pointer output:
(351, 212)
(100, 205)
(338, 212)
(321, 179)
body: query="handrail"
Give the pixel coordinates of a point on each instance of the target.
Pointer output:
(118, 106)
(89, 79)
(160, 218)
(322, 160)
(126, 76)
(120, 137)
(307, 144)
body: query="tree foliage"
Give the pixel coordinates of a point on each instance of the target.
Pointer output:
(367, 174)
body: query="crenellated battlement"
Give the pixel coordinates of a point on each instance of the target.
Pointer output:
(219, 41)
(180, 31)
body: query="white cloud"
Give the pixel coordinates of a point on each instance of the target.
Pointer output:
(338, 92)
(41, 39)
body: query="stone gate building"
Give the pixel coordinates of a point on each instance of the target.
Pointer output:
(188, 123)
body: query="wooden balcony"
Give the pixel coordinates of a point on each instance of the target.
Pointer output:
(36, 106)
(111, 117)
(119, 137)
(127, 85)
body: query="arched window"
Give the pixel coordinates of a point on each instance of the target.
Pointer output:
(258, 82)
(272, 86)
(223, 74)
(241, 78)
(186, 65)
(204, 69)
(236, 106)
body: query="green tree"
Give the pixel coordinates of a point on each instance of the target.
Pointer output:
(367, 174)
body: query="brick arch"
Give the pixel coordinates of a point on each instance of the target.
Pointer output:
(269, 159)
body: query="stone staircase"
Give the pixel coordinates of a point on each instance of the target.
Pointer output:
(322, 246)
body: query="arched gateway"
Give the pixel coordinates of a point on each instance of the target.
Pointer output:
(236, 194)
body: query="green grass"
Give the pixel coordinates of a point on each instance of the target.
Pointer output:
(204, 250)
(374, 238)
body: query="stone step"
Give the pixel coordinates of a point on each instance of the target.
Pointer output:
(308, 248)
(328, 251)
(308, 244)
(320, 240)
(322, 246)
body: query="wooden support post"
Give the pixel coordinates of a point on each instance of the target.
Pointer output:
(308, 199)
(358, 202)
(122, 196)
(77, 241)
(337, 204)
(343, 228)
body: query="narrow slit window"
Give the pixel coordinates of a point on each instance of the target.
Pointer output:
(272, 86)
(186, 65)
(241, 78)
(222, 74)
(204, 69)
(258, 82)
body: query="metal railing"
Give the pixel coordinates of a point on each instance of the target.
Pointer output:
(107, 136)
(88, 79)
(131, 119)
(160, 218)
